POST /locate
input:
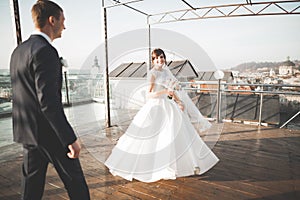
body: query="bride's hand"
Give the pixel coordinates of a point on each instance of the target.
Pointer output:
(170, 93)
(181, 106)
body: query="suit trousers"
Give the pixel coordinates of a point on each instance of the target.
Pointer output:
(35, 164)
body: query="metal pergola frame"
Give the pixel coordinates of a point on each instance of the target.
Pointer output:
(192, 13)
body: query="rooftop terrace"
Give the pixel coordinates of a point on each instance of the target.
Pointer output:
(255, 163)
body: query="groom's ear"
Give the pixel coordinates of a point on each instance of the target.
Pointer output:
(51, 20)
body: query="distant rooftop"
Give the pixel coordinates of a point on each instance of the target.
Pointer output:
(288, 63)
(209, 76)
(182, 68)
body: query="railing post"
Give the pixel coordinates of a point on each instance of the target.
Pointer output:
(260, 108)
(67, 88)
(219, 76)
(218, 100)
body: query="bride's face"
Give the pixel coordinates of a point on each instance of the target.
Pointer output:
(158, 61)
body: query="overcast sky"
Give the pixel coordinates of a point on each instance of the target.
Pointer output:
(227, 41)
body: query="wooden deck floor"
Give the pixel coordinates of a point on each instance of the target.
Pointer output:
(255, 163)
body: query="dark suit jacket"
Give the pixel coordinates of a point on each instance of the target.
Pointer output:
(36, 77)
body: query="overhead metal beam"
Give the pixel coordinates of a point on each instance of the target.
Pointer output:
(249, 2)
(229, 10)
(115, 3)
(189, 5)
(118, 3)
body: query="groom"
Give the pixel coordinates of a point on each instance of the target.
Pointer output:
(39, 122)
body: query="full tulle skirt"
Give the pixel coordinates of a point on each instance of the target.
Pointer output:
(160, 143)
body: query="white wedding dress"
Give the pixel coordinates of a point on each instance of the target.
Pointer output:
(161, 142)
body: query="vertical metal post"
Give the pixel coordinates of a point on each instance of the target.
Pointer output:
(67, 88)
(15, 9)
(106, 76)
(218, 100)
(260, 108)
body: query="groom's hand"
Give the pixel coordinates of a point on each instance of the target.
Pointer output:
(74, 150)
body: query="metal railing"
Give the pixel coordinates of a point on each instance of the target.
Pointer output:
(261, 89)
(85, 87)
(77, 89)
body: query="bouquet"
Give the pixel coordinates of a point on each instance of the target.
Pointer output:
(173, 86)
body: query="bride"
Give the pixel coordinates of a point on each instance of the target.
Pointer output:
(161, 142)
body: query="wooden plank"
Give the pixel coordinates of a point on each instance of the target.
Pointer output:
(254, 164)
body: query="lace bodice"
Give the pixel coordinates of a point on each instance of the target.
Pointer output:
(163, 79)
